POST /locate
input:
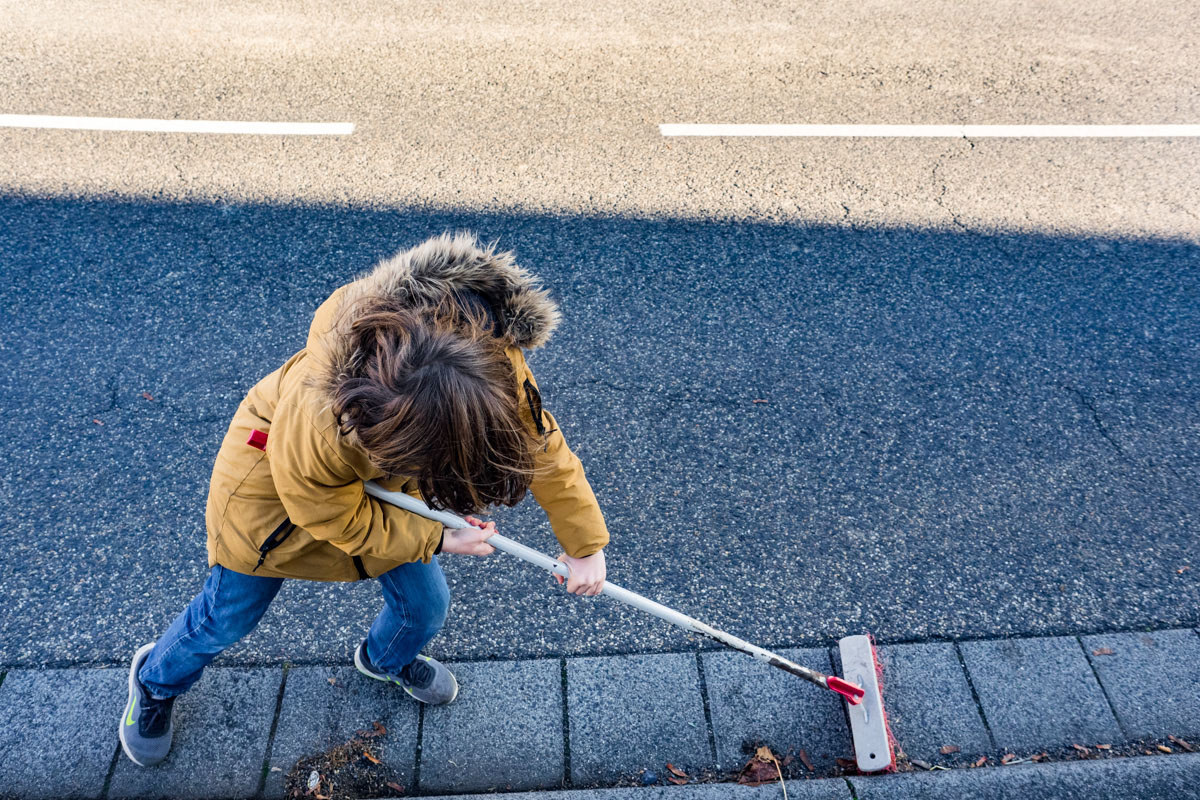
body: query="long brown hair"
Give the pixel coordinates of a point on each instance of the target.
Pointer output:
(431, 394)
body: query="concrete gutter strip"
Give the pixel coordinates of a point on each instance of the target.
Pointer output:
(582, 724)
(1175, 778)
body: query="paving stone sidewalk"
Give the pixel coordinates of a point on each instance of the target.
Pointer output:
(584, 723)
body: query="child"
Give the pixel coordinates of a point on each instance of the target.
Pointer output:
(413, 376)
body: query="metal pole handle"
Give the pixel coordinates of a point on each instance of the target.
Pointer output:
(416, 506)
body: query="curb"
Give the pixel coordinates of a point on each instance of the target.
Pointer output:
(556, 725)
(1165, 778)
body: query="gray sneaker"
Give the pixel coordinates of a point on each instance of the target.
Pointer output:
(146, 728)
(426, 679)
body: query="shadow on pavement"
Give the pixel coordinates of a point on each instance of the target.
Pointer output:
(795, 431)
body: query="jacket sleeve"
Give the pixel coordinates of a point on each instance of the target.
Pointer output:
(325, 496)
(559, 484)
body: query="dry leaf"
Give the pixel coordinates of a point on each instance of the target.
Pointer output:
(677, 780)
(761, 768)
(1185, 745)
(922, 764)
(1080, 748)
(367, 755)
(395, 787)
(98, 422)
(1182, 570)
(332, 681)
(758, 400)
(376, 730)
(1104, 747)
(982, 760)
(1007, 757)
(676, 771)
(808, 765)
(947, 749)
(147, 396)
(1164, 749)
(846, 763)
(1103, 651)
(787, 760)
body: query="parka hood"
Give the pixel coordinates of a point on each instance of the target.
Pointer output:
(447, 264)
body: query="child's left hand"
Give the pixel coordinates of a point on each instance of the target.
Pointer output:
(587, 573)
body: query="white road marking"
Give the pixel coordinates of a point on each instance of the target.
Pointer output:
(931, 131)
(177, 125)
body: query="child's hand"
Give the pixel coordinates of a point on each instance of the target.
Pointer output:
(469, 541)
(587, 573)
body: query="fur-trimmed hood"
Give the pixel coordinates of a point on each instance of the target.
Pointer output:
(445, 264)
(425, 275)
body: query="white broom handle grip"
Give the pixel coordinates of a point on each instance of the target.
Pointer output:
(502, 543)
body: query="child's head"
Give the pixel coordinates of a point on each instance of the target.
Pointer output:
(431, 394)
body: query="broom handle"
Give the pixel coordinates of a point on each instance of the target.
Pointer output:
(539, 559)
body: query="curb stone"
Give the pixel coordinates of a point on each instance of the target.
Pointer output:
(623, 715)
(1150, 778)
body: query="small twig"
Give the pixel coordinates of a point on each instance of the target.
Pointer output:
(779, 772)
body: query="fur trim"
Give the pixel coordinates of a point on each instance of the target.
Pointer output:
(439, 266)
(426, 274)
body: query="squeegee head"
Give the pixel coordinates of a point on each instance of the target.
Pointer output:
(873, 747)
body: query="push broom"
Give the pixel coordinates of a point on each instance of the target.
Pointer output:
(860, 687)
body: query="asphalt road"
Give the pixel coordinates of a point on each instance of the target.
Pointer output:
(978, 359)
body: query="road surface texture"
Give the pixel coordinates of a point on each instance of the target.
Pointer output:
(926, 388)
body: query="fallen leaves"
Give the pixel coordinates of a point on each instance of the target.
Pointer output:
(1182, 569)
(1008, 758)
(947, 749)
(98, 422)
(348, 770)
(1104, 747)
(763, 767)
(1039, 756)
(147, 396)
(804, 759)
(1103, 651)
(1188, 746)
(677, 776)
(982, 760)
(376, 730)
(1162, 748)
(1081, 748)
(395, 787)
(758, 401)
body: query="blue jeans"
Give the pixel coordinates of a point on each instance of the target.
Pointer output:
(415, 600)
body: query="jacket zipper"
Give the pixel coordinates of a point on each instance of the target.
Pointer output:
(277, 537)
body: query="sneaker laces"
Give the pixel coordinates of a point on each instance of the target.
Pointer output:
(418, 674)
(155, 716)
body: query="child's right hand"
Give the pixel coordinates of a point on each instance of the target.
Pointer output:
(469, 541)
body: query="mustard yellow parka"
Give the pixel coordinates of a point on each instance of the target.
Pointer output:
(297, 508)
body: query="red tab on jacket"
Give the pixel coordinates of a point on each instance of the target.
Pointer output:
(257, 439)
